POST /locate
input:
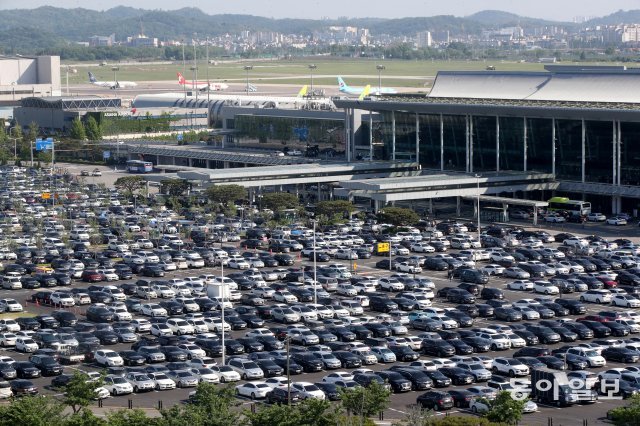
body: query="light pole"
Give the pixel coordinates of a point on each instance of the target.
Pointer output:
(115, 76)
(222, 286)
(380, 68)
(15, 144)
(312, 67)
(478, 197)
(248, 68)
(315, 269)
(195, 72)
(390, 263)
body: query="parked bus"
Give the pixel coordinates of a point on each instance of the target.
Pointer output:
(139, 166)
(575, 207)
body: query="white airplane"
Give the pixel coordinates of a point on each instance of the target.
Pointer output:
(111, 84)
(203, 86)
(353, 90)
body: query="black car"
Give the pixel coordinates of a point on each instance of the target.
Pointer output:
(491, 293)
(107, 337)
(461, 397)
(533, 351)
(7, 372)
(438, 348)
(270, 368)
(461, 347)
(583, 332)
(598, 329)
(29, 323)
(565, 334)
(620, 355)
(330, 390)
(284, 396)
(478, 344)
(507, 314)
(404, 353)
(529, 337)
(310, 363)
(471, 310)
(435, 400)
(382, 304)
(152, 270)
(531, 362)
(294, 367)
(552, 362)
(348, 359)
(365, 380)
(617, 329)
(23, 387)
(99, 314)
(26, 370)
(461, 318)
(419, 380)
(132, 358)
(457, 375)
(397, 381)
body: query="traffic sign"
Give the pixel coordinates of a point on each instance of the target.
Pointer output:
(106, 154)
(382, 248)
(44, 144)
(46, 195)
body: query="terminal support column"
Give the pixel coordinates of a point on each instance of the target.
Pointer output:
(466, 141)
(615, 155)
(441, 143)
(471, 143)
(370, 135)
(553, 148)
(524, 141)
(497, 143)
(347, 133)
(619, 152)
(393, 135)
(583, 150)
(417, 139)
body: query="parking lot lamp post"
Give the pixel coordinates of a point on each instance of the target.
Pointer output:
(380, 68)
(315, 269)
(478, 194)
(390, 267)
(248, 68)
(288, 340)
(222, 285)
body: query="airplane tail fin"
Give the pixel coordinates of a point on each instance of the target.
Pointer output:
(303, 92)
(341, 84)
(92, 78)
(181, 79)
(365, 92)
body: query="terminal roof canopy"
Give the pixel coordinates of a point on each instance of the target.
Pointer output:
(617, 86)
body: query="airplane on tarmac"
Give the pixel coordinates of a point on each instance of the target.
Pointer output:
(111, 84)
(354, 90)
(203, 86)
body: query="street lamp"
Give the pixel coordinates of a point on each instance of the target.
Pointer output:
(248, 68)
(380, 68)
(115, 76)
(194, 69)
(312, 67)
(478, 197)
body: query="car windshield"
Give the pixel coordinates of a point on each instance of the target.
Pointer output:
(591, 353)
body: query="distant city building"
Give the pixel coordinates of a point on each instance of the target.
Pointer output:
(423, 39)
(99, 41)
(141, 40)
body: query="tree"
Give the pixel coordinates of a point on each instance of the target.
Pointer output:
(210, 406)
(175, 187)
(77, 130)
(80, 391)
(628, 415)
(366, 401)
(398, 216)
(129, 184)
(505, 409)
(92, 129)
(134, 417)
(333, 208)
(32, 411)
(278, 201)
(310, 412)
(85, 418)
(225, 194)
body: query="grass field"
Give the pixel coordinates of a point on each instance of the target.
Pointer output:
(356, 72)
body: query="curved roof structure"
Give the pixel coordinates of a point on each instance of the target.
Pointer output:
(578, 86)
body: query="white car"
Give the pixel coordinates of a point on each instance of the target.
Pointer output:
(596, 296)
(407, 267)
(284, 296)
(163, 291)
(10, 305)
(206, 375)
(238, 263)
(7, 339)
(493, 269)
(527, 313)
(226, 373)
(553, 218)
(153, 310)
(141, 325)
(336, 376)
(308, 390)
(162, 381)
(26, 345)
(253, 390)
(525, 303)
(596, 217)
(108, 358)
(141, 382)
(179, 326)
(81, 299)
(117, 385)
(512, 367)
(545, 287)
(247, 369)
(422, 247)
(625, 301)
(617, 221)
(524, 285)
(159, 329)
(391, 284)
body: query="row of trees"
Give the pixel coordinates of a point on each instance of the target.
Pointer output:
(214, 405)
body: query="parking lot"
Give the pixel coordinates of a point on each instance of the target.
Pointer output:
(102, 205)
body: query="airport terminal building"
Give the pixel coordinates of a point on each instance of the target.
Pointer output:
(579, 125)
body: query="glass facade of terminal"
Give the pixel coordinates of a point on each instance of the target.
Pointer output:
(511, 144)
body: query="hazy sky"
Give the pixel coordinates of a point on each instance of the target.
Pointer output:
(560, 10)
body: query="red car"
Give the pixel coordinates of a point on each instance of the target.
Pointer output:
(92, 276)
(596, 318)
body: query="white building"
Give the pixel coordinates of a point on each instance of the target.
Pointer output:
(28, 76)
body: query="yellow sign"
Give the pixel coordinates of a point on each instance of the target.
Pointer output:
(46, 195)
(355, 266)
(383, 248)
